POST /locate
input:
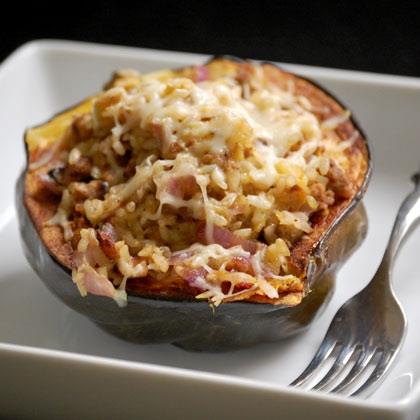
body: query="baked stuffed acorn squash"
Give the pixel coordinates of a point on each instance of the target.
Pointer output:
(209, 206)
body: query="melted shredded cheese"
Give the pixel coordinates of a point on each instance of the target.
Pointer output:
(244, 159)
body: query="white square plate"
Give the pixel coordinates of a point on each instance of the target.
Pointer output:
(55, 363)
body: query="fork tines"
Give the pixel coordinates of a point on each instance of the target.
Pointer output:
(344, 369)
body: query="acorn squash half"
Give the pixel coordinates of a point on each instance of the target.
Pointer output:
(156, 317)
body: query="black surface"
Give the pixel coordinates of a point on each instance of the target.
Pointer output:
(371, 36)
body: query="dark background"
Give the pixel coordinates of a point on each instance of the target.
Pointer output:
(371, 36)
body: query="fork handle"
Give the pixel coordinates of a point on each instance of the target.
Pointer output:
(408, 217)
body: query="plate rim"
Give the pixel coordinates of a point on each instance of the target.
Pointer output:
(42, 46)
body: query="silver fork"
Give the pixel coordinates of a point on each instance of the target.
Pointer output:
(367, 332)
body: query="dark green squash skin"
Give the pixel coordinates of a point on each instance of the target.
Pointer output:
(194, 325)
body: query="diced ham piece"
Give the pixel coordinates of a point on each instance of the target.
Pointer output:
(194, 277)
(93, 256)
(201, 74)
(107, 237)
(226, 239)
(179, 257)
(184, 186)
(90, 253)
(95, 283)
